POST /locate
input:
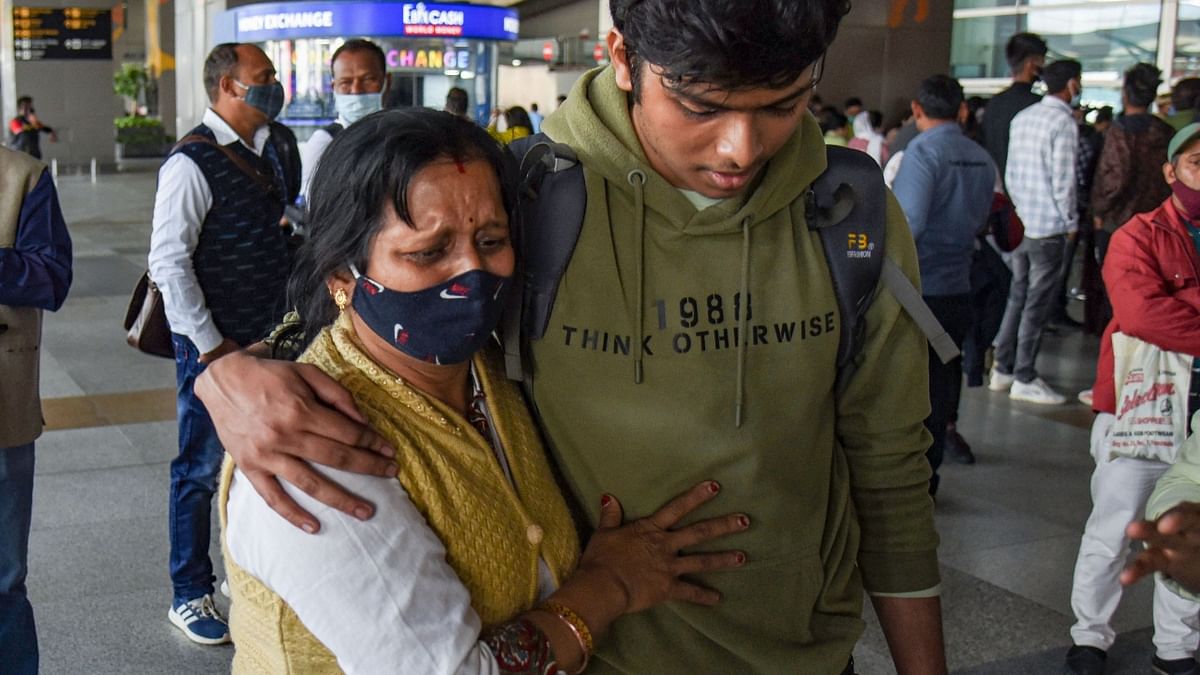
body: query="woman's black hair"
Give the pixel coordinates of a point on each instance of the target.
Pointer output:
(367, 168)
(517, 117)
(726, 44)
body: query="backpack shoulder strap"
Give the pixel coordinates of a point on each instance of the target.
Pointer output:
(333, 129)
(551, 204)
(847, 207)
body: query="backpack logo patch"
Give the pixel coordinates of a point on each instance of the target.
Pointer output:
(859, 245)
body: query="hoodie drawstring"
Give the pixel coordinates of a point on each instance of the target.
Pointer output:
(743, 320)
(637, 179)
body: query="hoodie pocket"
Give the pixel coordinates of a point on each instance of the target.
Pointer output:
(775, 598)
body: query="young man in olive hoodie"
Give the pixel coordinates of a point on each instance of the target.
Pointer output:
(694, 334)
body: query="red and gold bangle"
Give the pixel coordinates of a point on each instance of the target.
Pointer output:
(578, 627)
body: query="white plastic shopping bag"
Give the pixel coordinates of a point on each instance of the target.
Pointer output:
(1152, 387)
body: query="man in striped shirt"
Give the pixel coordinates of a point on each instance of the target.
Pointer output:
(1040, 174)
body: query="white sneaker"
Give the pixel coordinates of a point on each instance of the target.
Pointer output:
(1085, 397)
(1036, 392)
(225, 588)
(999, 381)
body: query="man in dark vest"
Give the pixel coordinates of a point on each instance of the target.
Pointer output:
(221, 260)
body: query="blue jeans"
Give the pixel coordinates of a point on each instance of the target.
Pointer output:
(18, 637)
(194, 476)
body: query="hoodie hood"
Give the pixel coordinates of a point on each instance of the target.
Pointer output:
(595, 122)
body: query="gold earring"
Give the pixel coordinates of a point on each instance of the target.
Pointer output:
(341, 299)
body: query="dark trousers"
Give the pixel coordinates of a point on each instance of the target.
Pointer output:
(194, 476)
(1097, 311)
(990, 279)
(945, 379)
(18, 636)
(1068, 262)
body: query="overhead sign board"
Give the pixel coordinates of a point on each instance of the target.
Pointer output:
(41, 33)
(295, 20)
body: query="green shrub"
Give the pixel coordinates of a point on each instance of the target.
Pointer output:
(133, 130)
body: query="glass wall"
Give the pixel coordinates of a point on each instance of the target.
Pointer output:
(1106, 36)
(1186, 62)
(422, 71)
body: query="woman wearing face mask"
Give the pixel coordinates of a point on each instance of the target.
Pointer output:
(471, 563)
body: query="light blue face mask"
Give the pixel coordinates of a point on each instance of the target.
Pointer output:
(354, 107)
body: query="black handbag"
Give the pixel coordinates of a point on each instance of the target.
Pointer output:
(146, 328)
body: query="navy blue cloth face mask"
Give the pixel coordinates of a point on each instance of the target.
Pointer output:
(266, 98)
(443, 324)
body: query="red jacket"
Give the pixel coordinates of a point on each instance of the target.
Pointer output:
(1152, 274)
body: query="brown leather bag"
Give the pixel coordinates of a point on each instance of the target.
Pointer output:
(146, 328)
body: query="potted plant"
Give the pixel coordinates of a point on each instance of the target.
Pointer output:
(136, 134)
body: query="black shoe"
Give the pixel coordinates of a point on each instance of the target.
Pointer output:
(957, 448)
(1175, 666)
(1086, 660)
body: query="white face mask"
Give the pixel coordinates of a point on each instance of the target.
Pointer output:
(354, 107)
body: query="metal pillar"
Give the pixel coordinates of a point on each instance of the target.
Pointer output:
(8, 62)
(1168, 24)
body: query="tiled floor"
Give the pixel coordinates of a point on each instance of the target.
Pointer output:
(1010, 524)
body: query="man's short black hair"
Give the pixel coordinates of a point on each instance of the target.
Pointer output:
(221, 62)
(24, 101)
(1185, 93)
(533, 107)
(726, 44)
(456, 101)
(1104, 114)
(360, 45)
(1022, 47)
(1058, 74)
(941, 97)
(1141, 84)
(852, 102)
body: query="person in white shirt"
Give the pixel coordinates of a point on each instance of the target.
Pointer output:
(1040, 175)
(360, 81)
(470, 565)
(220, 258)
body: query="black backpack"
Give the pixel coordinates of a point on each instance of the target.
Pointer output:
(846, 206)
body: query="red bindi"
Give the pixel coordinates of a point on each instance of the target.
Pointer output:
(461, 168)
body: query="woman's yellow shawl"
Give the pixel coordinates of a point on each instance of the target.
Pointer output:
(493, 532)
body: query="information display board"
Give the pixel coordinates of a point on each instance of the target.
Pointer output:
(375, 18)
(41, 33)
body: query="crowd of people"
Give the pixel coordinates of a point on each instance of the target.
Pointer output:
(365, 352)
(1124, 188)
